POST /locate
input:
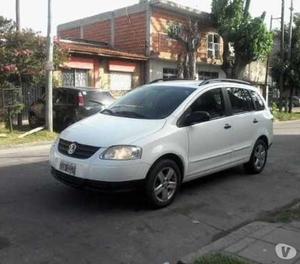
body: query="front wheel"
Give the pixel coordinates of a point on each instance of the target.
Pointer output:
(163, 183)
(258, 158)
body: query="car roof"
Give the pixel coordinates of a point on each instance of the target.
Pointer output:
(200, 84)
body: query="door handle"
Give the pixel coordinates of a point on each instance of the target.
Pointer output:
(227, 126)
(255, 121)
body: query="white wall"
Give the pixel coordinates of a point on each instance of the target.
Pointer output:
(156, 68)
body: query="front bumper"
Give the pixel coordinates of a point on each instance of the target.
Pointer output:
(95, 169)
(97, 185)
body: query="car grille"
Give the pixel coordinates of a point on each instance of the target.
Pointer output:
(81, 151)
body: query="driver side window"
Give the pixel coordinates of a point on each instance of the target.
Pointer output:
(211, 102)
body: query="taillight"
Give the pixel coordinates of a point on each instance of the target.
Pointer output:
(80, 99)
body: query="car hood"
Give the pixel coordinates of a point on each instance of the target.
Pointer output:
(105, 130)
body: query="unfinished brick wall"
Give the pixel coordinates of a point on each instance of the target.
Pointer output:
(130, 33)
(69, 33)
(99, 31)
(166, 48)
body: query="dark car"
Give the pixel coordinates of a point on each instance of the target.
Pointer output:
(69, 106)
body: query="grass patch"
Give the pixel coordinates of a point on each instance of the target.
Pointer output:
(282, 116)
(10, 139)
(285, 215)
(219, 259)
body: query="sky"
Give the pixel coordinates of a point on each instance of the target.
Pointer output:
(34, 12)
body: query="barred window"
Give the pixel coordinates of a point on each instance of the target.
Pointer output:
(76, 78)
(205, 75)
(169, 73)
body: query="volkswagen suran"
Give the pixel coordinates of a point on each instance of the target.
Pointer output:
(166, 133)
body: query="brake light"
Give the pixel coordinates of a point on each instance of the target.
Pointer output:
(80, 99)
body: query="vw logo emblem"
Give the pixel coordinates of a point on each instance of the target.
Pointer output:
(72, 149)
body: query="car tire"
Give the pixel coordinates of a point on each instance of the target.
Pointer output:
(162, 183)
(258, 158)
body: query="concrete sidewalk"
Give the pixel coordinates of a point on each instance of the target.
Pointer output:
(255, 243)
(24, 154)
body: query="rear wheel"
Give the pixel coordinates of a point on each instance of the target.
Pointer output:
(258, 158)
(163, 183)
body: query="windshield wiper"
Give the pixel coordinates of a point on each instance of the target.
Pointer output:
(129, 114)
(108, 111)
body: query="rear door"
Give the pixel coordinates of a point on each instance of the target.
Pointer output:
(209, 147)
(242, 122)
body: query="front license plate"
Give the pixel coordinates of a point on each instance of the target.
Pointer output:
(67, 167)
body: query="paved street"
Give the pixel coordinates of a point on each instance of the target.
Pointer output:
(43, 221)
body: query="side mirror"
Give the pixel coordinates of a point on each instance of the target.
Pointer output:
(196, 118)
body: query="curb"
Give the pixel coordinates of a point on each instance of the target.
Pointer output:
(19, 146)
(228, 240)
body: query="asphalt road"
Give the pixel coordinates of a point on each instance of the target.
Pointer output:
(43, 221)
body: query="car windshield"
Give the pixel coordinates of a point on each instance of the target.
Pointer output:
(149, 102)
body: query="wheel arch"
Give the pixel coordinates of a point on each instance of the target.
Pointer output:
(265, 139)
(171, 156)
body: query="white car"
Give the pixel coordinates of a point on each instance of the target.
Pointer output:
(163, 134)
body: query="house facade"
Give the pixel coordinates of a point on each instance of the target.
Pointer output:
(141, 29)
(96, 64)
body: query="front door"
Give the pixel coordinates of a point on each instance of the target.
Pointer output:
(209, 147)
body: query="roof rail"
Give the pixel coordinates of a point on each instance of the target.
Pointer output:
(224, 80)
(168, 80)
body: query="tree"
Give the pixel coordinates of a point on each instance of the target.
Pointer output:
(189, 36)
(248, 36)
(23, 56)
(289, 69)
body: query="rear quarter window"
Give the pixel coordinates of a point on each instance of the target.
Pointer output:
(257, 100)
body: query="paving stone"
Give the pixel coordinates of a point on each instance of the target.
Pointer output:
(264, 231)
(281, 235)
(240, 245)
(263, 252)
(295, 225)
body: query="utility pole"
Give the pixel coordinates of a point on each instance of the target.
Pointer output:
(49, 69)
(18, 21)
(281, 80)
(291, 30)
(290, 52)
(266, 90)
(18, 28)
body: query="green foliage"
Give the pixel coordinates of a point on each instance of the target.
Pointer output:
(249, 36)
(23, 55)
(283, 116)
(289, 69)
(22, 62)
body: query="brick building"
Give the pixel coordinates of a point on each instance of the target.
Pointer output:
(141, 30)
(96, 64)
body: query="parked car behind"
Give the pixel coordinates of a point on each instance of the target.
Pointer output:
(69, 106)
(161, 135)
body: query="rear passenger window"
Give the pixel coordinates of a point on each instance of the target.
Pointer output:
(240, 99)
(258, 102)
(211, 102)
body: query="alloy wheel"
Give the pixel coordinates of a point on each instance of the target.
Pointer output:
(165, 184)
(259, 156)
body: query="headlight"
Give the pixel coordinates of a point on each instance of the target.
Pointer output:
(122, 153)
